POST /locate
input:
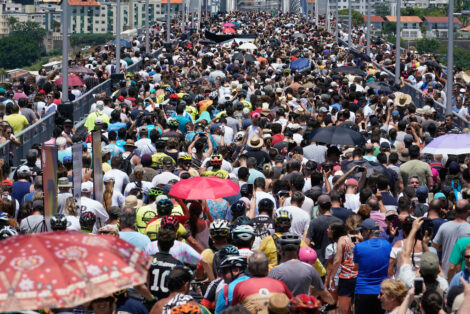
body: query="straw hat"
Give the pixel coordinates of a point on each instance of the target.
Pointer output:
(255, 142)
(466, 76)
(403, 100)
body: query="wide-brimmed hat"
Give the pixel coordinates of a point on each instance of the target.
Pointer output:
(130, 143)
(255, 142)
(64, 183)
(403, 100)
(265, 110)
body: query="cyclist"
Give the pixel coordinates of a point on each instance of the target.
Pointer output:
(219, 232)
(87, 221)
(243, 237)
(58, 222)
(232, 271)
(215, 163)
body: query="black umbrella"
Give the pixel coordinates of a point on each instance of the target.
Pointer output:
(349, 70)
(432, 63)
(240, 56)
(207, 42)
(380, 86)
(337, 135)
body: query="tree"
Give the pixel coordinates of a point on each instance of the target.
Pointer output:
(55, 25)
(30, 29)
(390, 27)
(382, 9)
(17, 51)
(357, 18)
(426, 45)
(12, 21)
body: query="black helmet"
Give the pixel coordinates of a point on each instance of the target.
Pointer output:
(228, 250)
(238, 209)
(243, 221)
(87, 220)
(6, 232)
(58, 222)
(289, 241)
(233, 261)
(164, 207)
(265, 204)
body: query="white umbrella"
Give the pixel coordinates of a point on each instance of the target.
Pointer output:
(248, 46)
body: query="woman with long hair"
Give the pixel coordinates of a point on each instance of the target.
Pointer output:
(111, 197)
(199, 227)
(72, 214)
(343, 261)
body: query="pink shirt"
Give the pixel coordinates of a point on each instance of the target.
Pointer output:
(380, 218)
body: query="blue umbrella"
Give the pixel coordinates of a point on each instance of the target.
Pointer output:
(124, 43)
(300, 65)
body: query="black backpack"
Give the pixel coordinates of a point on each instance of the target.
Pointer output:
(126, 165)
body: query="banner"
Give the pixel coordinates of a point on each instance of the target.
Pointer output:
(97, 169)
(49, 179)
(77, 153)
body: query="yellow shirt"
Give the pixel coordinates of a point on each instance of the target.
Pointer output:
(218, 173)
(17, 121)
(90, 120)
(268, 247)
(152, 229)
(105, 167)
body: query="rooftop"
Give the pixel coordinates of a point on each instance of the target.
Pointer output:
(172, 1)
(374, 19)
(90, 3)
(441, 19)
(404, 19)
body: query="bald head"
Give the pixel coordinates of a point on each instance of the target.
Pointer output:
(258, 264)
(461, 207)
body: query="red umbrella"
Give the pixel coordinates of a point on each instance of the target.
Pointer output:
(204, 188)
(229, 30)
(229, 25)
(66, 269)
(73, 81)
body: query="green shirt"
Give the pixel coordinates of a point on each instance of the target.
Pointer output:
(456, 257)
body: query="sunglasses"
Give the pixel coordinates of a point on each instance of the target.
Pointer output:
(466, 256)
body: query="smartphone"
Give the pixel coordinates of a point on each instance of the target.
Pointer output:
(395, 221)
(250, 188)
(418, 284)
(361, 169)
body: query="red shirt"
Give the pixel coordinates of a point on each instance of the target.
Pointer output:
(277, 138)
(255, 292)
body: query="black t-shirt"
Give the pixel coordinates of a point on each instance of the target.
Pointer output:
(341, 212)
(318, 234)
(262, 224)
(261, 157)
(162, 264)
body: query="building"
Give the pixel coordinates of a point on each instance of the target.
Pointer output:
(410, 26)
(263, 5)
(376, 21)
(360, 6)
(437, 26)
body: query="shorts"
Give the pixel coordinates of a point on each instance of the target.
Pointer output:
(346, 287)
(367, 304)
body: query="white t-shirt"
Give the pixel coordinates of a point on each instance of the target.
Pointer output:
(352, 202)
(307, 205)
(408, 275)
(120, 178)
(145, 187)
(300, 219)
(73, 223)
(89, 205)
(163, 178)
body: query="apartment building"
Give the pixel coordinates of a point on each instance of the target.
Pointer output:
(437, 26)
(410, 26)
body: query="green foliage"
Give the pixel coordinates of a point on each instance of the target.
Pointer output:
(390, 27)
(391, 39)
(426, 45)
(36, 66)
(89, 39)
(29, 29)
(382, 9)
(357, 18)
(431, 11)
(54, 52)
(17, 51)
(461, 57)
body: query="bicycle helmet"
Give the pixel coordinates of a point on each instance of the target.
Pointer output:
(58, 222)
(184, 157)
(4, 220)
(186, 308)
(243, 220)
(156, 192)
(265, 205)
(244, 233)
(173, 122)
(169, 222)
(216, 160)
(169, 89)
(199, 98)
(7, 231)
(228, 250)
(282, 219)
(164, 207)
(233, 261)
(238, 209)
(304, 304)
(87, 220)
(289, 241)
(219, 228)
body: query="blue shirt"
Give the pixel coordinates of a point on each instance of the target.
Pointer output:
(456, 279)
(135, 238)
(220, 306)
(373, 259)
(116, 126)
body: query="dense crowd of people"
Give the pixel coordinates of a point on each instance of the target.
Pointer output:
(316, 227)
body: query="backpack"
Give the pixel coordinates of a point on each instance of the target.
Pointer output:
(126, 165)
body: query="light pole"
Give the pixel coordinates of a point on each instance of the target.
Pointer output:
(337, 21)
(168, 21)
(450, 58)
(397, 44)
(65, 51)
(316, 12)
(147, 27)
(349, 25)
(182, 17)
(199, 4)
(118, 36)
(328, 15)
(368, 28)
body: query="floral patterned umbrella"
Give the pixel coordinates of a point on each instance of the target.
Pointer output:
(66, 269)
